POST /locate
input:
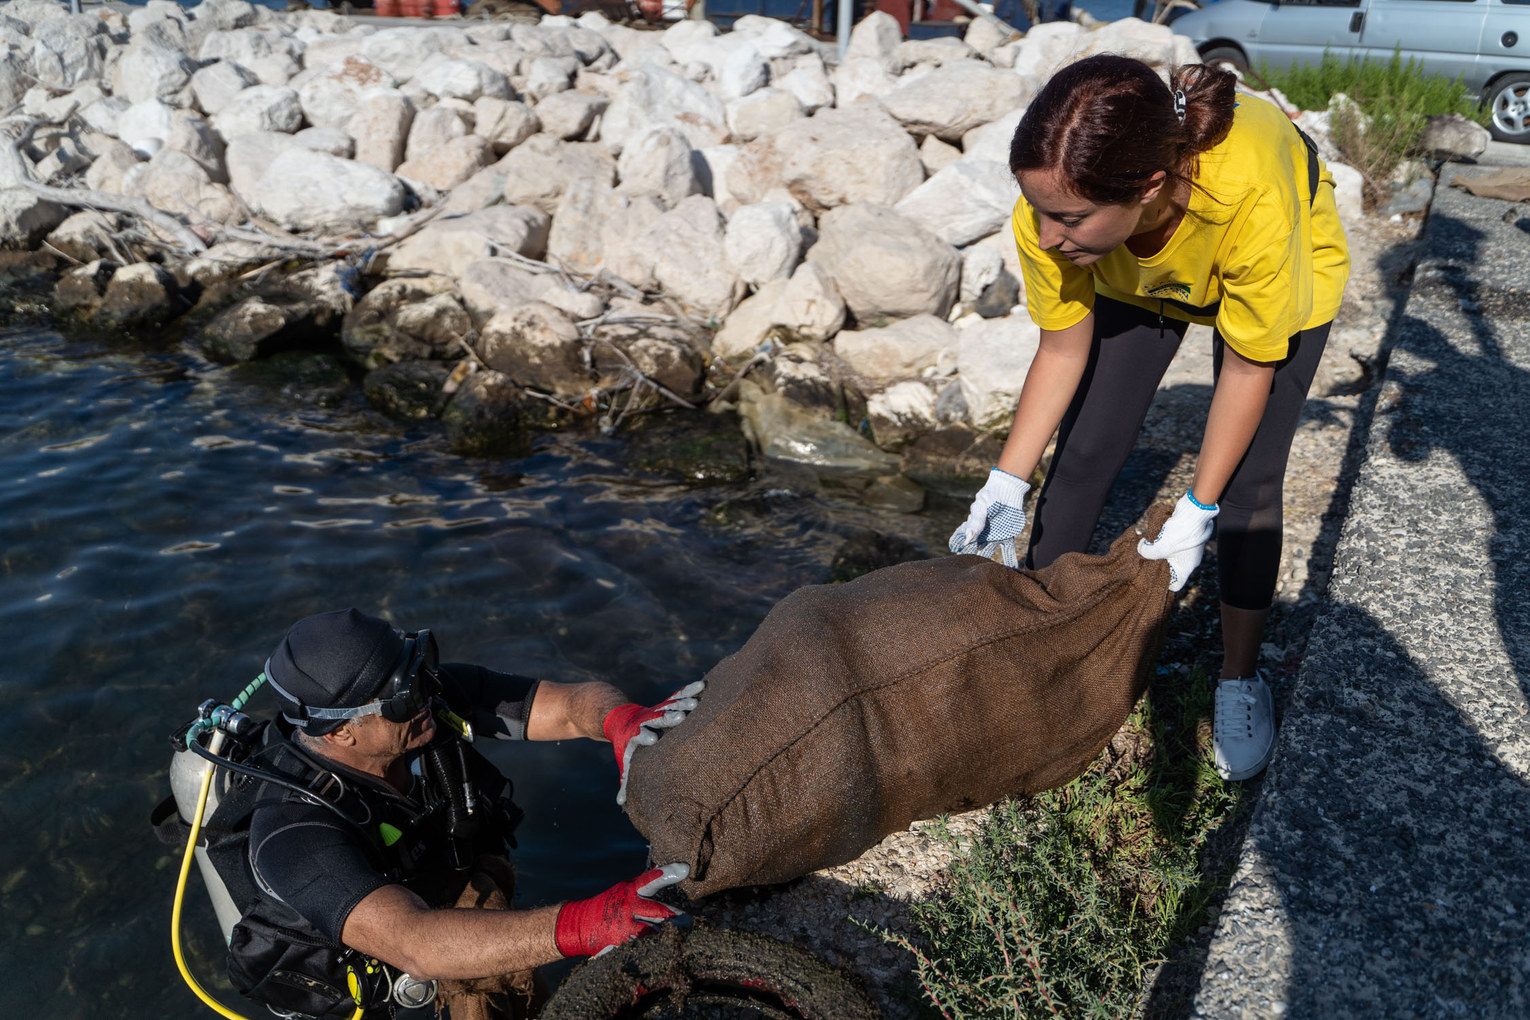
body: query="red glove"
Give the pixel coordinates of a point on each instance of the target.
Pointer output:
(629, 727)
(622, 912)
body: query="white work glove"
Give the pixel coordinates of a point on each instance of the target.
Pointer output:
(996, 519)
(1182, 540)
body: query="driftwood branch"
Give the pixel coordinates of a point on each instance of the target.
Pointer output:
(16, 171)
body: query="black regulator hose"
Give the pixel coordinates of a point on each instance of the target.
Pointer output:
(267, 777)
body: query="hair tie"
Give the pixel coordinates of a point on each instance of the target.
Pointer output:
(1179, 105)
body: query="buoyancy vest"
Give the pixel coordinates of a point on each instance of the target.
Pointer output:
(426, 844)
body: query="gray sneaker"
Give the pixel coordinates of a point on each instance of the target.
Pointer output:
(1243, 731)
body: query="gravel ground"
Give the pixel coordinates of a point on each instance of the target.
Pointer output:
(827, 912)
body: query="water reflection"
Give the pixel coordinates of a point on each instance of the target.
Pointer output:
(161, 525)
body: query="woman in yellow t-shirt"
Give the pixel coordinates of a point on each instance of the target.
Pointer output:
(1145, 207)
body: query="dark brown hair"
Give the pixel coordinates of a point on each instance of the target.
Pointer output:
(1108, 123)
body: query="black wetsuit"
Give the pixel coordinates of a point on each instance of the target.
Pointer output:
(314, 868)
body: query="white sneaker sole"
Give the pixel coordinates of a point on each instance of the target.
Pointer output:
(1251, 771)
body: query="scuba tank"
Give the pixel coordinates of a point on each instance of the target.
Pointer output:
(186, 770)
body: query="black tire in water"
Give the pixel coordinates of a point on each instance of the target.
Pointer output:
(675, 974)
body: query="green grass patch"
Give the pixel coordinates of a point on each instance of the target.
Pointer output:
(1063, 902)
(1394, 98)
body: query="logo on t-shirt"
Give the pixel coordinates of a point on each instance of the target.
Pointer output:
(1171, 289)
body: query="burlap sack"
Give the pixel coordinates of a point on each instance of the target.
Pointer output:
(927, 687)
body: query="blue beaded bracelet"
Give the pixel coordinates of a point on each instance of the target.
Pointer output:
(1190, 495)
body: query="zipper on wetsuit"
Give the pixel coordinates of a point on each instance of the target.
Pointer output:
(1160, 315)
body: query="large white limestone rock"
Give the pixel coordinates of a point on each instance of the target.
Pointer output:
(506, 123)
(455, 78)
(1047, 47)
(876, 36)
(837, 157)
(571, 115)
(65, 52)
(773, 38)
(152, 72)
(661, 163)
(381, 126)
(689, 260)
(449, 246)
(176, 183)
(885, 265)
(445, 166)
(271, 55)
(538, 170)
(859, 77)
(896, 351)
(992, 358)
(597, 229)
(968, 200)
(991, 142)
(330, 99)
(26, 219)
(809, 81)
(1131, 37)
(763, 113)
(901, 413)
(145, 126)
(763, 241)
(260, 108)
(955, 98)
(306, 190)
(654, 97)
(215, 86)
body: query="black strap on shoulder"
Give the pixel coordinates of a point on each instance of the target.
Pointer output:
(1314, 175)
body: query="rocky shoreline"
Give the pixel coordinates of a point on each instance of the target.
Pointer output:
(513, 227)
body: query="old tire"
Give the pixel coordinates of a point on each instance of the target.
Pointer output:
(1229, 55)
(676, 973)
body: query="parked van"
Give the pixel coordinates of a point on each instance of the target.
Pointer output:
(1485, 43)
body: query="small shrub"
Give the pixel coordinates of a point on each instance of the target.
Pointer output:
(1396, 98)
(1062, 903)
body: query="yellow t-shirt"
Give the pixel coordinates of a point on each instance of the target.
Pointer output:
(1250, 256)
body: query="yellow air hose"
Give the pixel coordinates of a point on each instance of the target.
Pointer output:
(214, 745)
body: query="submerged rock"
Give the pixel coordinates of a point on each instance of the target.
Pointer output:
(706, 449)
(491, 416)
(308, 377)
(783, 430)
(408, 390)
(953, 461)
(867, 550)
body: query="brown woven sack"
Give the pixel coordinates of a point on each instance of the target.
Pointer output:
(857, 709)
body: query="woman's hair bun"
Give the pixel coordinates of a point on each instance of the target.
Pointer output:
(1209, 100)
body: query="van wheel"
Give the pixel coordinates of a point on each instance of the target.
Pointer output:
(1508, 104)
(1229, 55)
(707, 972)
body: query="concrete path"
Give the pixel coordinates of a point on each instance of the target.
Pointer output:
(1386, 871)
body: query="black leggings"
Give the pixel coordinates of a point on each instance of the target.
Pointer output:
(1132, 350)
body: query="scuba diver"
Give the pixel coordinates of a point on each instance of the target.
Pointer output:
(361, 841)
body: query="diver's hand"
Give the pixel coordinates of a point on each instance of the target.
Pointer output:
(629, 727)
(996, 519)
(624, 911)
(1182, 540)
